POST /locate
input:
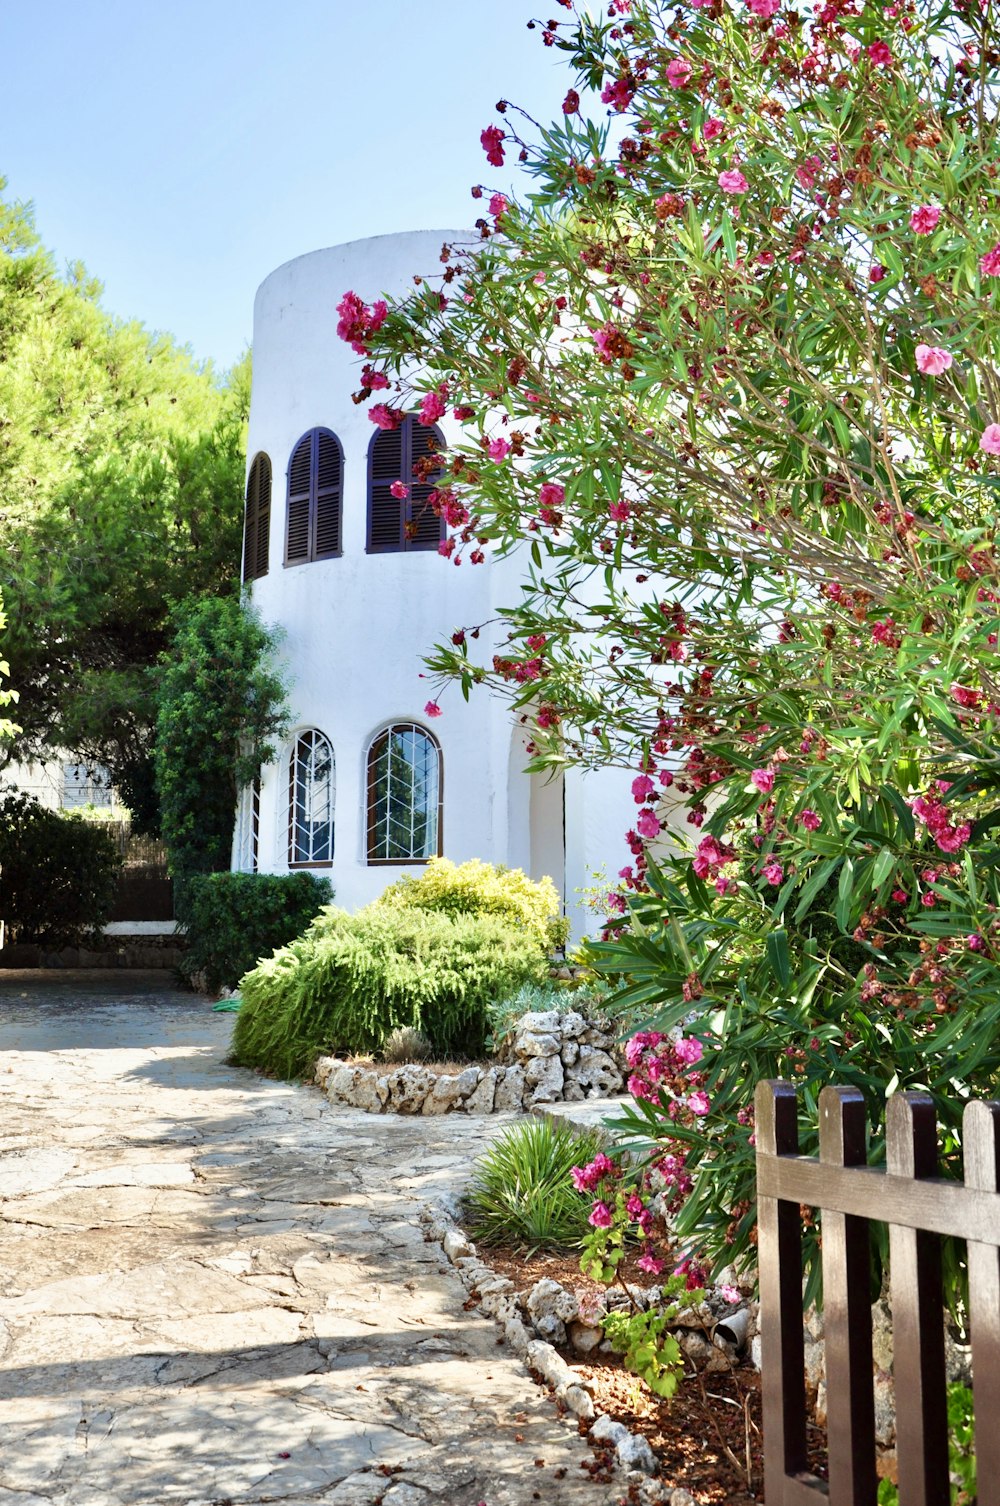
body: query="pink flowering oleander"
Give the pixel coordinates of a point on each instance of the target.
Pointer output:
(600, 1216)
(989, 440)
(499, 449)
(357, 321)
(807, 171)
(678, 73)
(880, 53)
(713, 127)
(648, 825)
(491, 141)
(773, 871)
(652, 1264)
(498, 205)
(617, 94)
(810, 820)
(924, 219)
(551, 494)
(932, 360)
(431, 408)
(386, 418)
(948, 836)
(689, 1050)
(989, 264)
(619, 512)
(432, 709)
(763, 780)
(399, 490)
(764, 8)
(699, 1103)
(733, 181)
(642, 788)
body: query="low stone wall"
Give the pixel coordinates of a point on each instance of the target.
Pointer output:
(555, 1056)
(123, 949)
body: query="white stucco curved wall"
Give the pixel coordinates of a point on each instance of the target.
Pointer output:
(356, 626)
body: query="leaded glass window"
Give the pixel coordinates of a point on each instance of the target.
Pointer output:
(404, 796)
(311, 793)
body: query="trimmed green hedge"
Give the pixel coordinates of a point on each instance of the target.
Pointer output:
(352, 979)
(232, 920)
(58, 875)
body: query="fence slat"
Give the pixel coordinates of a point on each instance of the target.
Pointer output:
(847, 1319)
(779, 1260)
(917, 1314)
(981, 1154)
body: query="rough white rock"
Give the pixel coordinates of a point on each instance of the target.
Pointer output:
(570, 1053)
(408, 1087)
(544, 1079)
(510, 1090)
(579, 1402)
(482, 1099)
(451, 1092)
(572, 1024)
(551, 1366)
(596, 1071)
(540, 1022)
(528, 1045)
(517, 1335)
(456, 1245)
(323, 1068)
(681, 1497)
(635, 1453)
(583, 1337)
(606, 1430)
(548, 1299)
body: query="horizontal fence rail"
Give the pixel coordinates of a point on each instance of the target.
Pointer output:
(919, 1208)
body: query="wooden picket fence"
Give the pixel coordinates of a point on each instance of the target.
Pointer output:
(919, 1208)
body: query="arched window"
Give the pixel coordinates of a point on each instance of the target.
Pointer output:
(311, 794)
(257, 523)
(409, 522)
(405, 780)
(315, 486)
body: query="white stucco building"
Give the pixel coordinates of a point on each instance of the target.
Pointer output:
(367, 785)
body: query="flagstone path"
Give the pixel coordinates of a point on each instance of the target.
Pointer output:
(214, 1290)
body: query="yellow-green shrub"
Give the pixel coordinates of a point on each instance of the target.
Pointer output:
(477, 888)
(350, 980)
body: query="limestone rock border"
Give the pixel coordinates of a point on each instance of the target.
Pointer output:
(495, 1296)
(556, 1056)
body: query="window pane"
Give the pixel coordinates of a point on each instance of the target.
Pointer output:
(404, 785)
(311, 806)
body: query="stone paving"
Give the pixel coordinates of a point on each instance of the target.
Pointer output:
(214, 1290)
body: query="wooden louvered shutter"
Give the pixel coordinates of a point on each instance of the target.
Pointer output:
(258, 519)
(297, 522)
(385, 512)
(426, 529)
(329, 469)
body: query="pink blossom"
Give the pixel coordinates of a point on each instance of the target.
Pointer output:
(763, 780)
(618, 512)
(600, 1216)
(773, 871)
(990, 439)
(876, 272)
(552, 494)
(386, 418)
(807, 171)
(713, 126)
(725, 885)
(431, 408)
(375, 381)
(678, 73)
(764, 8)
(880, 54)
(498, 205)
(730, 1293)
(651, 1264)
(399, 490)
(619, 94)
(647, 825)
(614, 903)
(491, 141)
(642, 788)
(810, 820)
(900, 896)
(989, 264)
(975, 942)
(357, 321)
(699, 1103)
(688, 1050)
(499, 449)
(733, 181)
(571, 103)
(924, 219)
(432, 709)
(932, 360)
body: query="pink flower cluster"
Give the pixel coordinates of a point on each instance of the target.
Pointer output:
(432, 407)
(932, 360)
(933, 813)
(711, 855)
(661, 1065)
(618, 94)
(491, 141)
(358, 322)
(924, 219)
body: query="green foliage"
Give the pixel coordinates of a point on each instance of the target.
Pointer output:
(8, 729)
(121, 486)
(220, 706)
(642, 1338)
(233, 919)
(59, 875)
(477, 888)
(351, 980)
(538, 998)
(961, 1452)
(521, 1193)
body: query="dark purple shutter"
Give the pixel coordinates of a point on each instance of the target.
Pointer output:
(385, 512)
(329, 472)
(258, 519)
(297, 525)
(426, 528)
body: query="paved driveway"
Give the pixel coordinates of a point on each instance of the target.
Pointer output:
(214, 1289)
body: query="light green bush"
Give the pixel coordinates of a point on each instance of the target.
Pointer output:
(477, 888)
(350, 980)
(522, 1193)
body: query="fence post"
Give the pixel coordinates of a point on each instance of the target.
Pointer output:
(779, 1261)
(847, 1318)
(981, 1154)
(917, 1314)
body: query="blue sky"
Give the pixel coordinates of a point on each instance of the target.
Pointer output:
(183, 150)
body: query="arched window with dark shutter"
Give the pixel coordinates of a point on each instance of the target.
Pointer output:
(257, 519)
(315, 491)
(401, 455)
(405, 788)
(311, 799)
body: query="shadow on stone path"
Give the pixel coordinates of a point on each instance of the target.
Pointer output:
(214, 1290)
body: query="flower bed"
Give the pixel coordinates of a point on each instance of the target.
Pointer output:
(555, 1056)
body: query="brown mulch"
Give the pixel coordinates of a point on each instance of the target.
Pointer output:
(703, 1435)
